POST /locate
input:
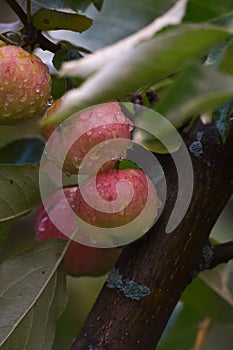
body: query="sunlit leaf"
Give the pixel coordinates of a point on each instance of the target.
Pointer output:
(46, 19)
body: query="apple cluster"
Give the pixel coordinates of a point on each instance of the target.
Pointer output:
(25, 87)
(90, 199)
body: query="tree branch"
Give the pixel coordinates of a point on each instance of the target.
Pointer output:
(18, 10)
(160, 266)
(222, 253)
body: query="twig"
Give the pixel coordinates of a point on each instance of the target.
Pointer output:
(222, 253)
(203, 328)
(18, 10)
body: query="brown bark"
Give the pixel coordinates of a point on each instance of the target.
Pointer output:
(163, 263)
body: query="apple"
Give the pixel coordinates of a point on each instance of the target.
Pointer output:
(25, 85)
(83, 128)
(116, 207)
(80, 260)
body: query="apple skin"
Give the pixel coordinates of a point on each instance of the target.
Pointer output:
(80, 260)
(25, 85)
(132, 217)
(116, 125)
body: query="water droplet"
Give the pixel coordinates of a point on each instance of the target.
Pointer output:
(19, 108)
(32, 110)
(131, 127)
(119, 116)
(43, 224)
(84, 116)
(6, 114)
(23, 98)
(10, 97)
(96, 155)
(38, 88)
(89, 132)
(99, 114)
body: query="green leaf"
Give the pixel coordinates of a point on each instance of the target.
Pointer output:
(53, 4)
(207, 301)
(65, 55)
(117, 20)
(198, 10)
(4, 229)
(127, 164)
(98, 4)
(83, 4)
(95, 62)
(19, 190)
(220, 280)
(198, 89)
(226, 64)
(59, 87)
(25, 150)
(183, 333)
(143, 64)
(46, 19)
(32, 297)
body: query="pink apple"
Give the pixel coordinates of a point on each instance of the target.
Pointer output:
(25, 85)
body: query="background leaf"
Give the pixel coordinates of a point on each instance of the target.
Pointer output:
(200, 296)
(198, 10)
(198, 89)
(183, 333)
(117, 19)
(31, 304)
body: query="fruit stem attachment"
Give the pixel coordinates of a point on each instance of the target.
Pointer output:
(31, 35)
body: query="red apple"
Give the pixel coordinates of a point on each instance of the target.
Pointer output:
(80, 260)
(83, 128)
(25, 85)
(116, 207)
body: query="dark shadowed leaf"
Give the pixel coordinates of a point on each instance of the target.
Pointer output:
(65, 55)
(25, 150)
(182, 334)
(209, 299)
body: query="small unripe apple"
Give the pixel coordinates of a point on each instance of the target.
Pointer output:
(80, 260)
(25, 85)
(116, 207)
(83, 128)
